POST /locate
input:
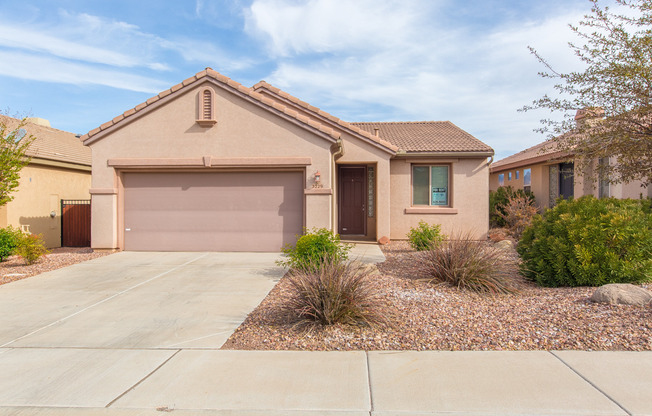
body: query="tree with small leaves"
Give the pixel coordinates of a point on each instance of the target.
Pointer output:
(613, 94)
(13, 144)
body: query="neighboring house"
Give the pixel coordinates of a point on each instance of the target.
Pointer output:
(213, 165)
(549, 174)
(60, 169)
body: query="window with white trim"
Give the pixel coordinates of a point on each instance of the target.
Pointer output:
(431, 185)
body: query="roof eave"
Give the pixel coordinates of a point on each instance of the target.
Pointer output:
(320, 114)
(470, 154)
(529, 161)
(231, 86)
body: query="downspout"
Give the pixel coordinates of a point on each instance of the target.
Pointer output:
(491, 160)
(339, 145)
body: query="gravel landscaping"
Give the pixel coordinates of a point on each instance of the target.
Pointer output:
(439, 317)
(14, 268)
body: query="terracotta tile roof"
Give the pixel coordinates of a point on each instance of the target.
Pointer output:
(263, 86)
(226, 82)
(426, 136)
(538, 153)
(52, 144)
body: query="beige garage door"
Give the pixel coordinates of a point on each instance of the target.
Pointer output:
(228, 211)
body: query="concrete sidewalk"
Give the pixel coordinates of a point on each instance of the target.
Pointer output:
(63, 381)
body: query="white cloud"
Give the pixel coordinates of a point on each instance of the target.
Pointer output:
(332, 25)
(385, 52)
(49, 69)
(77, 40)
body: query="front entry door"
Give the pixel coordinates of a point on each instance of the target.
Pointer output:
(353, 191)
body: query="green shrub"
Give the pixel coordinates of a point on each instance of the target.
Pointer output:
(335, 293)
(499, 199)
(425, 236)
(31, 247)
(589, 242)
(9, 238)
(471, 264)
(314, 248)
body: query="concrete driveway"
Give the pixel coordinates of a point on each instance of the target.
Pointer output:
(137, 300)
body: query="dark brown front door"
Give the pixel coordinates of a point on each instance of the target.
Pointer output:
(353, 191)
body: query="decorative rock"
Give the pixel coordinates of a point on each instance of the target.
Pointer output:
(369, 269)
(497, 234)
(505, 245)
(383, 240)
(622, 294)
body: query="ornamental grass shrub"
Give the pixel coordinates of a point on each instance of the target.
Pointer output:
(314, 248)
(589, 242)
(518, 214)
(499, 198)
(425, 236)
(334, 293)
(31, 248)
(472, 265)
(9, 238)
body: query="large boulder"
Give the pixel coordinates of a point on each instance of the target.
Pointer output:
(622, 294)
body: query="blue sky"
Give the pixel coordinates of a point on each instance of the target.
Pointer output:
(80, 63)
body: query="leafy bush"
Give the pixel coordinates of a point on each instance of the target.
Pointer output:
(518, 214)
(589, 242)
(425, 236)
(335, 293)
(31, 247)
(472, 265)
(9, 238)
(315, 248)
(499, 199)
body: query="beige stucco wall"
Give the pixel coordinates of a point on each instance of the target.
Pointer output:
(243, 129)
(540, 185)
(469, 211)
(40, 192)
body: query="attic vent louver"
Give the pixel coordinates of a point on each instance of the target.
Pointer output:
(205, 110)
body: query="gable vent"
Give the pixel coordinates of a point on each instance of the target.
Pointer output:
(205, 102)
(208, 110)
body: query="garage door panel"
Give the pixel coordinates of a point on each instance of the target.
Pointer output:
(234, 211)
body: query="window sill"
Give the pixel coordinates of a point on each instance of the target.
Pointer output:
(431, 210)
(206, 123)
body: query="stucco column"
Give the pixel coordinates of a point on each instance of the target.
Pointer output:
(383, 200)
(104, 226)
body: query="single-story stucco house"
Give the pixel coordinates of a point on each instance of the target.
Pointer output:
(212, 165)
(59, 169)
(550, 173)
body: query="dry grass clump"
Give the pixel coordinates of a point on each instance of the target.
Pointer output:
(471, 264)
(334, 293)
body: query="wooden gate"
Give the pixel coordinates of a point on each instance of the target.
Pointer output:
(75, 223)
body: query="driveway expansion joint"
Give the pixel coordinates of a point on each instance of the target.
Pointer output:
(371, 397)
(591, 383)
(122, 292)
(143, 379)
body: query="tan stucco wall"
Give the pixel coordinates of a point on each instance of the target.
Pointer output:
(243, 129)
(40, 192)
(469, 211)
(540, 185)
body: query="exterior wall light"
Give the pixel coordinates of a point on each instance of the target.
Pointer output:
(317, 182)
